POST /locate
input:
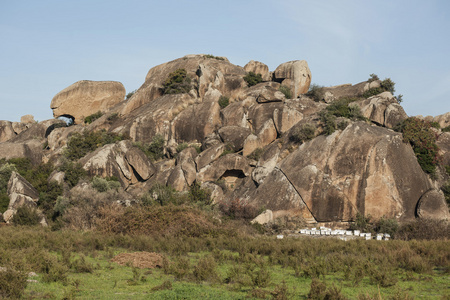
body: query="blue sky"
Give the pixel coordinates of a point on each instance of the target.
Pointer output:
(49, 44)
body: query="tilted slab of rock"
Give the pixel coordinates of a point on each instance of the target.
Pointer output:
(21, 193)
(295, 75)
(364, 169)
(121, 160)
(333, 93)
(6, 131)
(382, 109)
(83, 98)
(234, 135)
(209, 155)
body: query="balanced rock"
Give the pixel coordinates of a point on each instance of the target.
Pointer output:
(258, 68)
(432, 206)
(294, 75)
(27, 119)
(83, 98)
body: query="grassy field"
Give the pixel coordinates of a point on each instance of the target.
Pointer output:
(73, 264)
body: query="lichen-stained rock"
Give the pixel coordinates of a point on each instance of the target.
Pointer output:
(382, 109)
(186, 161)
(217, 195)
(218, 168)
(258, 68)
(31, 149)
(251, 143)
(432, 206)
(209, 155)
(177, 179)
(6, 131)
(285, 118)
(295, 75)
(259, 114)
(234, 115)
(21, 193)
(234, 135)
(120, 160)
(196, 122)
(364, 169)
(266, 163)
(83, 98)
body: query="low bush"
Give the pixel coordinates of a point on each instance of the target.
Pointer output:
(12, 284)
(154, 150)
(178, 82)
(5, 173)
(27, 216)
(206, 270)
(424, 229)
(238, 209)
(253, 79)
(213, 57)
(81, 144)
(130, 94)
(73, 172)
(315, 92)
(105, 184)
(181, 147)
(91, 118)
(419, 135)
(286, 91)
(256, 154)
(446, 129)
(386, 85)
(199, 195)
(224, 101)
(303, 133)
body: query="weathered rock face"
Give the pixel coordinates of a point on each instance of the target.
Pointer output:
(230, 165)
(234, 135)
(83, 98)
(432, 206)
(363, 169)
(382, 109)
(258, 68)
(204, 72)
(31, 149)
(295, 75)
(443, 143)
(6, 131)
(122, 160)
(21, 193)
(27, 119)
(443, 120)
(330, 94)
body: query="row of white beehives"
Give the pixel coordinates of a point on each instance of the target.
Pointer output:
(340, 232)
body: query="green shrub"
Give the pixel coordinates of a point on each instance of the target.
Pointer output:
(399, 98)
(303, 133)
(91, 118)
(319, 291)
(342, 124)
(315, 92)
(253, 79)
(12, 284)
(5, 173)
(62, 203)
(328, 122)
(104, 184)
(181, 147)
(224, 101)
(228, 150)
(419, 135)
(162, 195)
(446, 129)
(81, 144)
(130, 94)
(213, 57)
(286, 91)
(27, 216)
(111, 118)
(178, 82)
(363, 223)
(206, 270)
(154, 150)
(373, 77)
(424, 229)
(73, 172)
(446, 190)
(47, 199)
(385, 225)
(256, 154)
(385, 85)
(344, 108)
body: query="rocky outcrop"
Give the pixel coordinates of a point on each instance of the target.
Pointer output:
(31, 149)
(27, 119)
(230, 165)
(443, 120)
(258, 68)
(83, 98)
(330, 94)
(234, 136)
(21, 193)
(364, 169)
(432, 206)
(295, 75)
(382, 109)
(6, 131)
(121, 160)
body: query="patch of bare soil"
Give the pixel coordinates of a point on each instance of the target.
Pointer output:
(142, 260)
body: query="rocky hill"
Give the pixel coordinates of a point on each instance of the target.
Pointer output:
(266, 140)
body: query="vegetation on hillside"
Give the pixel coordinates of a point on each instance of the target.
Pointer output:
(178, 82)
(252, 78)
(81, 144)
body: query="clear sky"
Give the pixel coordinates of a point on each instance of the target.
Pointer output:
(47, 45)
